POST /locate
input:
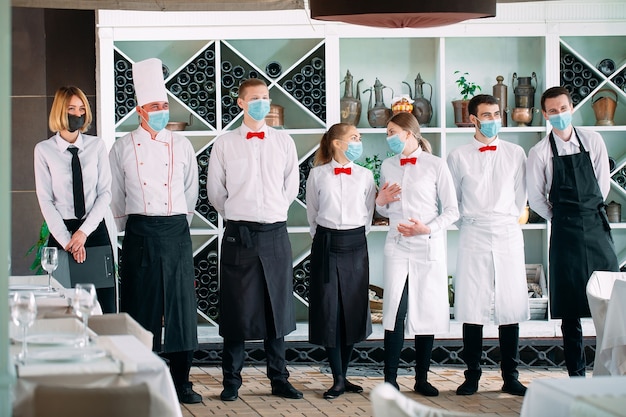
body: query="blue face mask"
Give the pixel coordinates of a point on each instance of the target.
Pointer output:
(395, 144)
(258, 109)
(490, 128)
(158, 119)
(354, 151)
(561, 121)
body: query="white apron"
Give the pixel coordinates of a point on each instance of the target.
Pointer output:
(423, 259)
(491, 256)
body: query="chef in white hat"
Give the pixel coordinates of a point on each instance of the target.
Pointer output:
(155, 188)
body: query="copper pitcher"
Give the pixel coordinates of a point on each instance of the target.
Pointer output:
(350, 106)
(422, 107)
(378, 114)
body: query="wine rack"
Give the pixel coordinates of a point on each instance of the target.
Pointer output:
(307, 83)
(207, 282)
(124, 87)
(305, 168)
(203, 207)
(577, 77)
(302, 278)
(194, 85)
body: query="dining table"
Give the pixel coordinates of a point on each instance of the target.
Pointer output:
(600, 396)
(54, 303)
(56, 357)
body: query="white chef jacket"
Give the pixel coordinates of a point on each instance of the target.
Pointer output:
(340, 201)
(491, 191)
(426, 186)
(539, 168)
(253, 179)
(153, 177)
(53, 183)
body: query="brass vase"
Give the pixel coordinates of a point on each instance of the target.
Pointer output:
(604, 104)
(350, 106)
(378, 114)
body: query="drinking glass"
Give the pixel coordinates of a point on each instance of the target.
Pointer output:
(49, 262)
(84, 300)
(23, 314)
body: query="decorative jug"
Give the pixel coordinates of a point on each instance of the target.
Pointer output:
(379, 114)
(350, 106)
(422, 107)
(525, 91)
(604, 104)
(500, 93)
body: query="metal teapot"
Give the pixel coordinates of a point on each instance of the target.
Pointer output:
(350, 106)
(378, 114)
(422, 107)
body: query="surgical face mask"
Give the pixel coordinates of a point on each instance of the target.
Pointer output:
(258, 109)
(395, 144)
(561, 121)
(157, 120)
(490, 128)
(354, 151)
(75, 122)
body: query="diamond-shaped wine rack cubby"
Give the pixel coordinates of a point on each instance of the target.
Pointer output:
(124, 88)
(577, 77)
(302, 277)
(203, 207)
(307, 83)
(207, 284)
(194, 85)
(305, 168)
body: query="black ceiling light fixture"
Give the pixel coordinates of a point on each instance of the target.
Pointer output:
(401, 14)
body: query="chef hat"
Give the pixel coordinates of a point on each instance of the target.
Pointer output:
(148, 81)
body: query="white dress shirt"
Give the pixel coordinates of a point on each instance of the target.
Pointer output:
(153, 177)
(340, 201)
(253, 179)
(539, 166)
(424, 185)
(490, 185)
(53, 183)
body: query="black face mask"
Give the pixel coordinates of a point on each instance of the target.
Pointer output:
(75, 122)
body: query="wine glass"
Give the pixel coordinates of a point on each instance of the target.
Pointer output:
(84, 300)
(49, 262)
(23, 314)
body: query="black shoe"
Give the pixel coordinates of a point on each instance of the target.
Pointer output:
(514, 387)
(286, 390)
(333, 393)
(350, 387)
(425, 388)
(187, 395)
(393, 383)
(229, 393)
(469, 387)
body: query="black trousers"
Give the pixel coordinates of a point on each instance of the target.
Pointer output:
(573, 348)
(234, 354)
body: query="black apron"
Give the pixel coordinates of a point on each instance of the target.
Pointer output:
(157, 280)
(339, 274)
(256, 281)
(581, 240)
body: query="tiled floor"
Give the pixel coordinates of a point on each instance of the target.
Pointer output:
(255, 399)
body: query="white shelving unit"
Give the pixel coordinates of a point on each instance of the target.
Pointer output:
(522, 39)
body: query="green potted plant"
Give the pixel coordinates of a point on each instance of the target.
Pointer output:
(467, 90)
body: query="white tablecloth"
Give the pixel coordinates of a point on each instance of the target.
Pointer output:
(559, 397)
(128, 362)
(55, 304)
(612, 352)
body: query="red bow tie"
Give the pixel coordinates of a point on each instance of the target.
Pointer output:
(347, 171)
(405, 161)
(487, 148)
(260, 135)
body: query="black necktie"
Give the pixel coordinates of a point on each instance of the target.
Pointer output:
(77, 183)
